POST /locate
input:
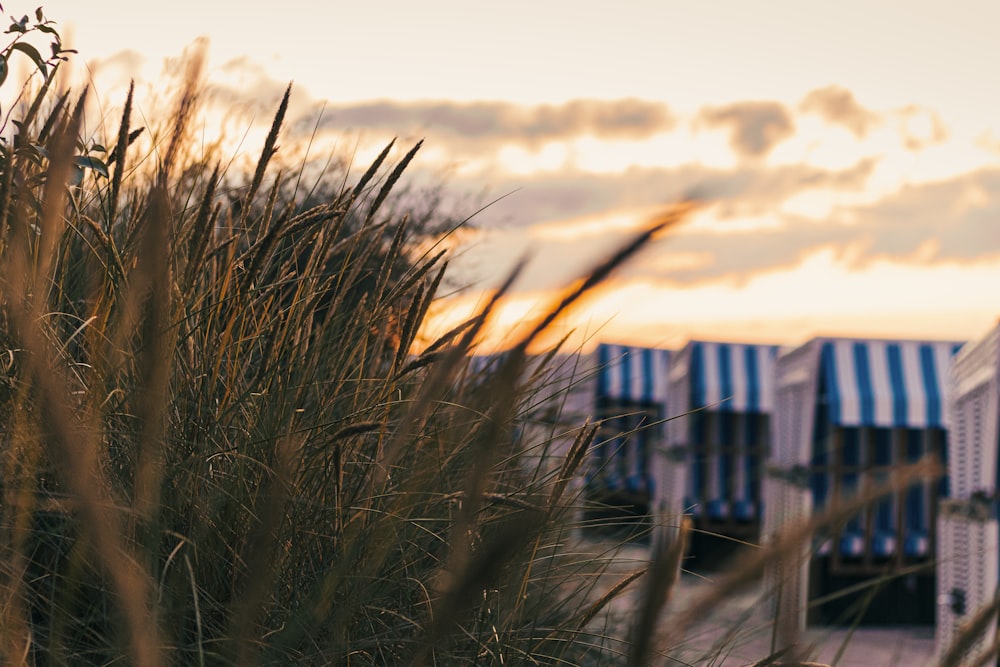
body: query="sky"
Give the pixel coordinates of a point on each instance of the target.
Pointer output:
(847, 154)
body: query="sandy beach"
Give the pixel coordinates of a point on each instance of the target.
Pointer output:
(739, 632)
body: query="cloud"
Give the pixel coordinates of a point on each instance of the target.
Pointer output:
(838, 106)
(127, 62)
(479, 122)
(755, 127)
(245, 86)
(959, 215)
(920, 127)
(750, 190)
(929, 224)
(932, 224)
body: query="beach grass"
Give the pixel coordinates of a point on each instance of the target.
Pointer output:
(225, 442)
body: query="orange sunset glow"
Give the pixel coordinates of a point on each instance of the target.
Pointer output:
(847, 155)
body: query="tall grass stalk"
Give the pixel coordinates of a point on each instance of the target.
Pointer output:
(219, 448)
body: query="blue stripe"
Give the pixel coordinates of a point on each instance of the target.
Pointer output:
(641, 452)
(851, 457)
(725, 378)
(900, 401)
(603, 359)
(725, 459)
(914, 444)
(617, 463)
(754, 398)
(829, 364)
(725, 476)
(818, 481)
(648, 373)
(915, 510)
(626, 375)
(751, 432)
(863, 372)
(725, 422)
(663, 367)
(883, 447)
(697, 376)
(930, 385)
(884, 515)
(600, 455)
(915, 494)
(698, 428)
(852, 448)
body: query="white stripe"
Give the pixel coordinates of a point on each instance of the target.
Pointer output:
(738, 366)
(913, 379)
(618, 388)
(942, 362)
(741, 485)
(847, 383)
(878, 360)
(638, 374)
(766, 365)
(610, 370)
(634, 361)
(661, 382)
(710, 456)
(615, 375)
(631, 455)
(710, 354)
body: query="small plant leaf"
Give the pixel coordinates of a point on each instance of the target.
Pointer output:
(3, 69)
(87, 162)
(32, 52)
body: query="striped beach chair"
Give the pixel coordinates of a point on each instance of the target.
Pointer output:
(848, 411)
(879, 403)
(721, 396)
(631, 388)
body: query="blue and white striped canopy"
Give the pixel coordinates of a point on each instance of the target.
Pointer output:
(886, 383)
(632, 373)
(732, 377)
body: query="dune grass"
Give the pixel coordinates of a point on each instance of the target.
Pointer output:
(219, 448)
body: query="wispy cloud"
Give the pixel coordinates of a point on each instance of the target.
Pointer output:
(920, 127)
(754, 127)
(479, 122)
(749, 190)
(838, 106)
(128, 62)
(931, 224)
(958, 216)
